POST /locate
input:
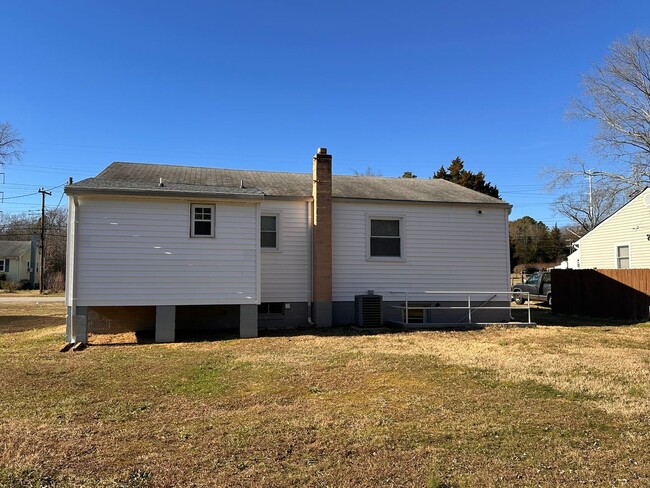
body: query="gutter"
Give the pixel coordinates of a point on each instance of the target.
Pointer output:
(421, 202)
(163, 193)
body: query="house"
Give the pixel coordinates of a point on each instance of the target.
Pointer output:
(18, 260)
(176, 247)
(620, 241)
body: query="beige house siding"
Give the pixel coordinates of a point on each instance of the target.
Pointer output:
(630, 226)
(16, 267)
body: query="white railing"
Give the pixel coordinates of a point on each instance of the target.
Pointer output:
(467, 297)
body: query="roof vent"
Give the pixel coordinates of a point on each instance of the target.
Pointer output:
(160, 183)
(241, 184)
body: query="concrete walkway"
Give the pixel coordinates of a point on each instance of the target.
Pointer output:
(33, 299)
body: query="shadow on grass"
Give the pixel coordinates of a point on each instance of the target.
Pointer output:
(10, 324)
(544, 316)
(194, 336)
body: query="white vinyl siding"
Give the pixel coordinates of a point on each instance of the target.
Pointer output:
(630, 226)
(445, 248)
(138, 251)
(286, 273)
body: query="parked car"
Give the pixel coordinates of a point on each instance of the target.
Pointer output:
(538, 285)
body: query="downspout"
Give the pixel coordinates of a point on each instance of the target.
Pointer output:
(310, 237)
(509, 280)
(71, 289)
(507, 215)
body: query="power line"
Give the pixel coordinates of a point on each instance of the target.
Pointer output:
(32, 194)
(60, 200)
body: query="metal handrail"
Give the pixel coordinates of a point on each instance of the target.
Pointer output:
(468, 307)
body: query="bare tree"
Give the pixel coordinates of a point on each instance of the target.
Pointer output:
(590, 196)
(617, 97)
(10, 144)
(585, 213)
(368, 172)
(21, 227)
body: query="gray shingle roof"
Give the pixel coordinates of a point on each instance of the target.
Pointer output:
(141, 178)
(14, 249)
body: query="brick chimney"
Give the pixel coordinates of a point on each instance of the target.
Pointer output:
(322, 239)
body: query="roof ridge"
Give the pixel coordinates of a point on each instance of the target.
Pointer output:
(203, 167)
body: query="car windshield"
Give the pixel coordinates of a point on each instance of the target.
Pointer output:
(533, 280)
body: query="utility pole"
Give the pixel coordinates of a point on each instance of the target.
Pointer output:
(590, 174)
(41, 284)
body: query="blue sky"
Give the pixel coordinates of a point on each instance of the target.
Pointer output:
(393, 85)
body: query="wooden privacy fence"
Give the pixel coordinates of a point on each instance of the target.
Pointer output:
(620, 293)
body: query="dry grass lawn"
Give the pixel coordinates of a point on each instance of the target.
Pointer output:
(546, 406)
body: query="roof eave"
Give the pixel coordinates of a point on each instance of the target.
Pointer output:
(71, 190)
(424, 202)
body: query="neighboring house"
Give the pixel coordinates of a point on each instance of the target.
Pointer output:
(183, 247)
(573, 260)
(17, 258)
(620, 241)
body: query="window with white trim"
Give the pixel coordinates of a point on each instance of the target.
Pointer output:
(386, 237)
(2, 265)
(269, 232)
(623, 257)
(202, 220)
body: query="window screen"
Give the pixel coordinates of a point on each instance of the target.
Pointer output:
(385, 239)
(269, 234)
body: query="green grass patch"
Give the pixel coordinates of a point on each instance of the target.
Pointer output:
(551, 406)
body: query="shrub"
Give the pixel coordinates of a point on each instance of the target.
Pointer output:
(24, 285)
(3, 277)
(9, 286)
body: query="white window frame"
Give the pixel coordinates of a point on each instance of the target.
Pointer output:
(2, 265)
(212, 220)
(629, 254)
(402, 236)
(277, 231)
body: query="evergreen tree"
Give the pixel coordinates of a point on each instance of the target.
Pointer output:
(456, 173)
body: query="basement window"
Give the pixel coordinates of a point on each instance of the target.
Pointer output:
(202, 220)
(414, 315)
(271, 308)
(386, 237)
